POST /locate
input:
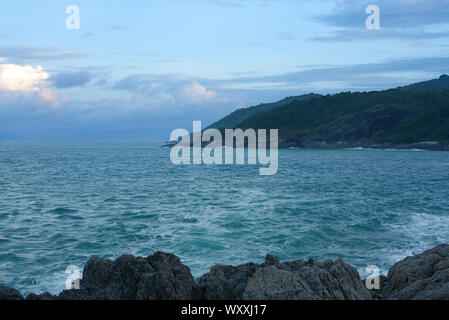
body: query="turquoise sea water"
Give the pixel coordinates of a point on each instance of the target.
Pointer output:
(62, 203)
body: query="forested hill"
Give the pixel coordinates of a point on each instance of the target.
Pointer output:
(410, 116)
(236, 117)
(439, 84)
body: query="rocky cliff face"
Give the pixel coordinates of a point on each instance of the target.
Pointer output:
(162, 276)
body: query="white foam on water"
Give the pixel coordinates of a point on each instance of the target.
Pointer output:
(421, 231)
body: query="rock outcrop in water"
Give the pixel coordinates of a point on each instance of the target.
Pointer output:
(421, 277)
(9, 294)
(296, 280)
(162, 276)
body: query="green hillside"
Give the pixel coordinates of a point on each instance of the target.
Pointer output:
(236, 117)
(391, 116)
(439, 84)
(408, 115)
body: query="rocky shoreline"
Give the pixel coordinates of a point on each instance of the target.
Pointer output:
(162, 276)
(285, 144)
(429, 145)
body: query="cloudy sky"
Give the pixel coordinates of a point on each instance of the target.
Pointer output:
(135, 72)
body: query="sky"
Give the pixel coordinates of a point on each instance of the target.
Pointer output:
(137, 70)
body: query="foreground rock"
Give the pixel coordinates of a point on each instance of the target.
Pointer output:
(162, 276)
(421, 277)
(296, 280)
(9, 294)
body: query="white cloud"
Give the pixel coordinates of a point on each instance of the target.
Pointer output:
(19, 78)
(28, 83)
(173, 92)
(194, 92)
(49, 98)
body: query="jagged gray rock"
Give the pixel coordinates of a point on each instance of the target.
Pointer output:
(421, 277)
(226, 282)
(115, 280)
(271, 283)
(162, 276)
(43, 296)
(7, 293)
(171, 280)
(331, 280)
(273, 280)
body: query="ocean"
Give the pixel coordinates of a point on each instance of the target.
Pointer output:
(61, 203)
